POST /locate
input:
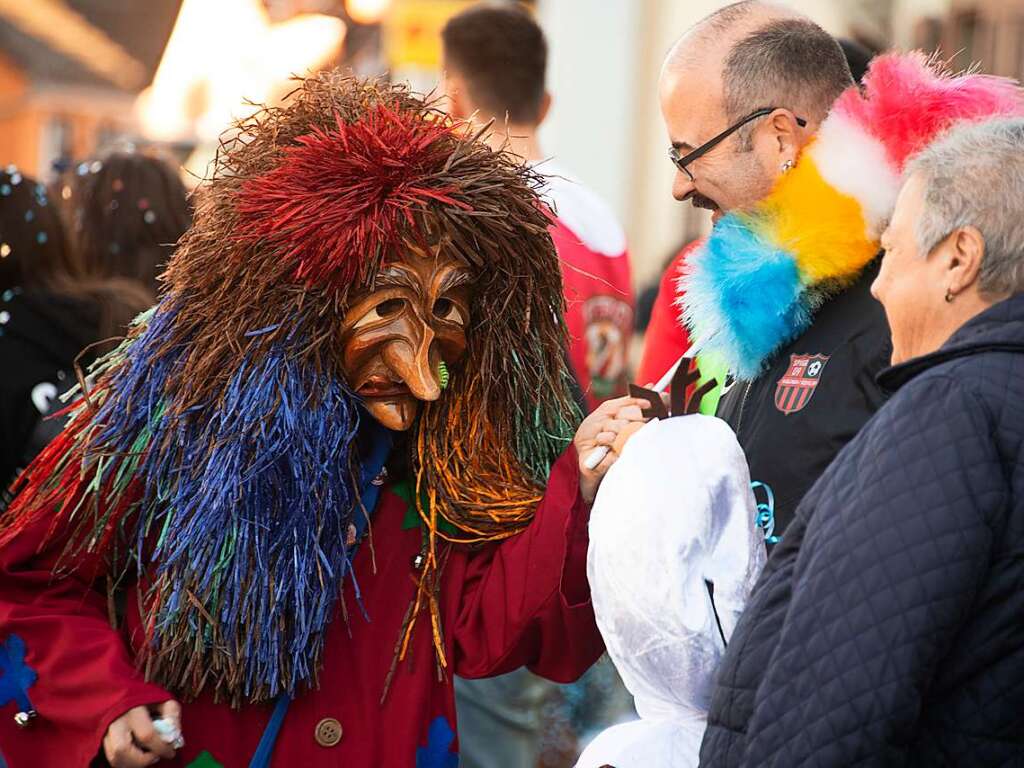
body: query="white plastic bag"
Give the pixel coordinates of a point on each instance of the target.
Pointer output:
(674, 514)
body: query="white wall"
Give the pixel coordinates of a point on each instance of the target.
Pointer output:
(592, 71)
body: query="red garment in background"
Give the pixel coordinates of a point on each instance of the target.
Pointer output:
(666, 340)
(522, 602)
(598, 286)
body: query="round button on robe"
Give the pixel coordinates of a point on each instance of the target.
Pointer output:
(328, 732)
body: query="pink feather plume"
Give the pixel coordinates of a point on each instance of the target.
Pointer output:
(907, 102)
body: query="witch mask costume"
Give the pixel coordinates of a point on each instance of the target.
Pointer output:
(365, 315)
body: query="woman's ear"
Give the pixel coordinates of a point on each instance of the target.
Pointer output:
(964, 254)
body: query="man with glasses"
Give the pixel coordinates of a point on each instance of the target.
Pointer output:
(743, 95)
(665, 338)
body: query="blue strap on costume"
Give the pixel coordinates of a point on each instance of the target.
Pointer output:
(369, 492)
(261, 758)
(372, 465)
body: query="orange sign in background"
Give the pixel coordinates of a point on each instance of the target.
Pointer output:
(412, 32)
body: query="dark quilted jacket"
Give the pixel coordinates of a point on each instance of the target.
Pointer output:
(888, 626)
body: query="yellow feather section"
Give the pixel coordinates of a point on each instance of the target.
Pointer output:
(823, 228)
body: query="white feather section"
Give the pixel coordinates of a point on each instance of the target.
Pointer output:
(855, 163)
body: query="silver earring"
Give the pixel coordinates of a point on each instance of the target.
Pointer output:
(949, 296)
(786, 166)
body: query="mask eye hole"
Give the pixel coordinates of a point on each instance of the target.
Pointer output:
(390, 308)
(383, 311)
(447, 310)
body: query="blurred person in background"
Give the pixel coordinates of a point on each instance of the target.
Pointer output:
(495, 59)
(666, 338)
(125, 213)
(51, 309)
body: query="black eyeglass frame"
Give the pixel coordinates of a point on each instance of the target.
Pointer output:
(682, 162)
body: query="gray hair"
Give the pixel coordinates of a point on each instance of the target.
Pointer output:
(974, 176)
(779, 58)
(791, 63)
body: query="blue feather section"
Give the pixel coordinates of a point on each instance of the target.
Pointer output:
(246, 510)
(743, 298)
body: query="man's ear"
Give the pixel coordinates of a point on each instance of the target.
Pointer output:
(545, 107)
(963, 256)
(459, 106)
(785, 133)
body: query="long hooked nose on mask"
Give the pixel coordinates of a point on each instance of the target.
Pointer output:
(412, 360)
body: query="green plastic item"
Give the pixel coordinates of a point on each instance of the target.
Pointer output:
(711, 367)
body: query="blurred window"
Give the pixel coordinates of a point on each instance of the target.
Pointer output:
(928, 34)
(56, 143)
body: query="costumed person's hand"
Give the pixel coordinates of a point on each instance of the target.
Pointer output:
(606, 429)
(133, 741)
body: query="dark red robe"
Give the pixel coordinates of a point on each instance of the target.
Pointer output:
(524, 601)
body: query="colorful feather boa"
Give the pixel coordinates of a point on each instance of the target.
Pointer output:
(757, 281)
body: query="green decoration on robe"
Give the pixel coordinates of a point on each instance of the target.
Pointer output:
(204, 760)
(403, 490)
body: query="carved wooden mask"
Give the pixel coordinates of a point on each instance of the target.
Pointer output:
(398, 333)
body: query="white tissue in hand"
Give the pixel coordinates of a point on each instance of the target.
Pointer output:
(169, 732)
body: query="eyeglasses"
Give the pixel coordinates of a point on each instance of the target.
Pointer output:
(682, 162)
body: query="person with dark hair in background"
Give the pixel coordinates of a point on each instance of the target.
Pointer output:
(51, 310)
(858, 57)
(495, 60)
(125, 213)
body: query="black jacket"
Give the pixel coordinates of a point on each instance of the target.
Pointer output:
(790, 432)
(888, 626)
(40, 336)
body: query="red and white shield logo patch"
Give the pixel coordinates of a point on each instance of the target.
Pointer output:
(797, 385)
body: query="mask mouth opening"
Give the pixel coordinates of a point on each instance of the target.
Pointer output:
(382, 386)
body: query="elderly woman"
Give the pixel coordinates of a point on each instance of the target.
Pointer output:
(888, 626)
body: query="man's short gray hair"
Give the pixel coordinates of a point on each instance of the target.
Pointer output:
(779, 59)
(790, 63)
(974, 176)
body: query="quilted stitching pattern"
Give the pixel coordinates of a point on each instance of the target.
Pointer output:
(888, 628)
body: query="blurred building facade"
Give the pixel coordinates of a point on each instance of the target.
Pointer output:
(76, 73)
(985, 32)
(69, 74)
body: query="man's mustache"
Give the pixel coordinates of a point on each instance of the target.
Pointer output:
(699, 201)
